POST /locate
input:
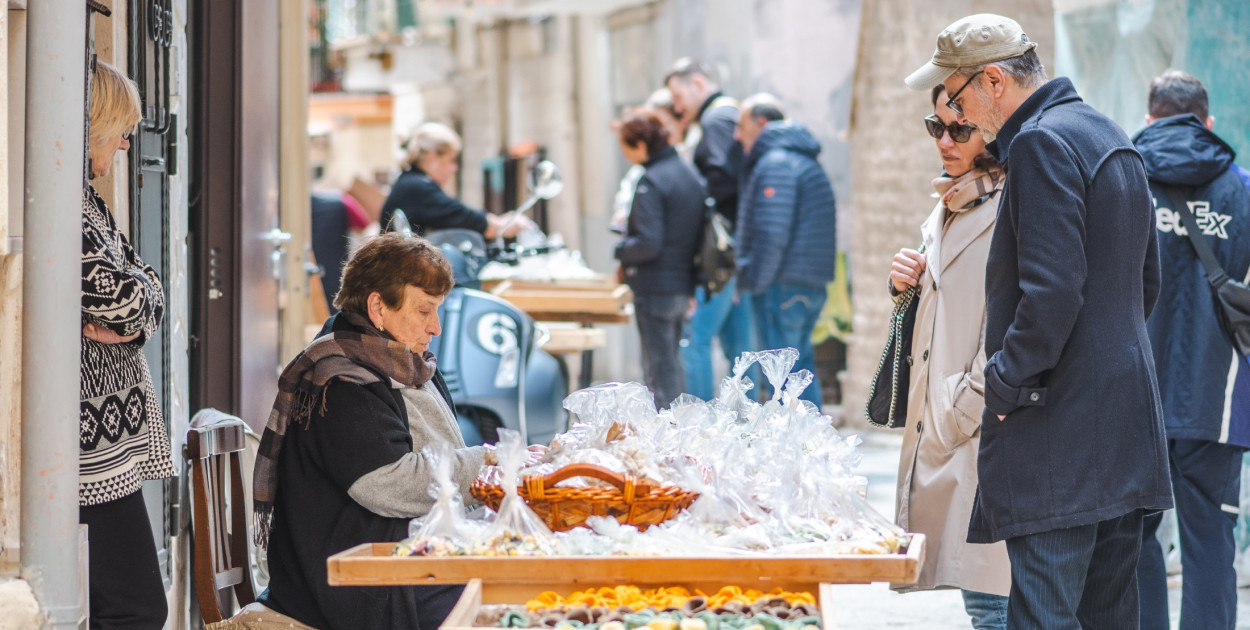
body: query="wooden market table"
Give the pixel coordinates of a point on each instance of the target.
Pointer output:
(517, 579)
(584, 302)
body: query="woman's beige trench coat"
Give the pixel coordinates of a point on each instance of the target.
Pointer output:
(937, 476)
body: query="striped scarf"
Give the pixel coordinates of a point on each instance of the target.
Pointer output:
(355, 357)
(970, 189)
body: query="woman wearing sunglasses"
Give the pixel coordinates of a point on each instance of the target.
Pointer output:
(937, 478)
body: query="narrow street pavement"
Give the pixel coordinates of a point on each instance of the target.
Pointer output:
(876, 607)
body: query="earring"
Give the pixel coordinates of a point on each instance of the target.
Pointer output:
(381, 328)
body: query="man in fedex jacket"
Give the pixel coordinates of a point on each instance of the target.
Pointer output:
(1204, 383)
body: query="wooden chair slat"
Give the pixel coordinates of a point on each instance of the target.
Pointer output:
(222, 573)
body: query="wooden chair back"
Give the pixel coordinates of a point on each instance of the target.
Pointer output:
(221, 562)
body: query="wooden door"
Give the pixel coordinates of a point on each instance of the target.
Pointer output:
(234, 210)
(262, 241)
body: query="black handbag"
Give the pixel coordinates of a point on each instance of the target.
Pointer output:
(1232, 298)
(887, 394)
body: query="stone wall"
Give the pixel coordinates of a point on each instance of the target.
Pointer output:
(893, 160)
(10, 410)
(18, 608)
(12, 76)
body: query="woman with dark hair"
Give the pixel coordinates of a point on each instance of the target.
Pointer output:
(937, 478)
(344, 442)
(657, 253)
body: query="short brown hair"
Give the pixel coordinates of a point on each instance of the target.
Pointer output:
(1174, 93)
(386, 264)
(642, 126)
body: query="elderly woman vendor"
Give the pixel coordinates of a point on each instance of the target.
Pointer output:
(340, 460)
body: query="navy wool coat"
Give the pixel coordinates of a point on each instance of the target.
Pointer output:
(1073, 273)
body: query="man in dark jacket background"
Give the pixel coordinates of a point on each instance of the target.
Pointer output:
(786, 232)
(717, 158)
(1204, 382)
(1072, 451)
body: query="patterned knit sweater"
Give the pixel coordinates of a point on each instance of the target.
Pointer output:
(122, 437)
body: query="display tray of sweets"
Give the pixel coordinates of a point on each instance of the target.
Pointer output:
(373, 564)
(634, 607)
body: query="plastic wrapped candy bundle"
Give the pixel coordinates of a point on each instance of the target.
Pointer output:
(775, 475)
(771, 478)
(515, 530)
(444, 531)
(614, 426)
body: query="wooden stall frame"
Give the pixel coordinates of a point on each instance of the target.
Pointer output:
(507, 578)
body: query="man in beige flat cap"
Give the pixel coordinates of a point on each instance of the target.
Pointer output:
(1072, 448)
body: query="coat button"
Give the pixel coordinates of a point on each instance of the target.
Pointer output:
(1035, 396)
(919, 425)
(926, 355)
(935, 285)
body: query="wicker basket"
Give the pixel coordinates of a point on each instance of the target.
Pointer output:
(629, 501)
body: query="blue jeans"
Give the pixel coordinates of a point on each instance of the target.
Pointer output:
(717, 316)
(660, 319)
(988, 612)
(1078, 578)
(1206, 482)
(785, 315)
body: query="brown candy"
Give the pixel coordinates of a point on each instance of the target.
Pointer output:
(695, 604)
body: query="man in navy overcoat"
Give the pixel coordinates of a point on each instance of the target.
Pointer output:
(1072, 441)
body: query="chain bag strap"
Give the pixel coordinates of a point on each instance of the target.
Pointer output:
(887, 393)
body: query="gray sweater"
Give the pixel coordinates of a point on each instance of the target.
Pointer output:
(402, 489)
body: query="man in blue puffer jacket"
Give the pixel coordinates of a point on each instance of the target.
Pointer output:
(786, 230)
(1203, 382)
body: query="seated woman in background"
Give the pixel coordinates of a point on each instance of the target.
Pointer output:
(340, 460)
(657, 253)
(432, 158)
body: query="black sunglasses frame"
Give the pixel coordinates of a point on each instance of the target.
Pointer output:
(950, 102)
(936, 128)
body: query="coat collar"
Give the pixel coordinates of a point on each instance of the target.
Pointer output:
(1055, 92)
(944, 244)
(662, 154)
(708, 104)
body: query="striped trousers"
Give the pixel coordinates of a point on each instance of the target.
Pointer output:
(1079, 578)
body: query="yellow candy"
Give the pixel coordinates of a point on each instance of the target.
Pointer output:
(660, 598)
(662, 623)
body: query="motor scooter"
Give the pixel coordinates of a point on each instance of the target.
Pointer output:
(490, 351)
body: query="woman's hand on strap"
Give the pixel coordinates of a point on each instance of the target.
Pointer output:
(907, 268)
(101, 334)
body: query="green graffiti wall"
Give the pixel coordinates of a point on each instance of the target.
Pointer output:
(1111, 49)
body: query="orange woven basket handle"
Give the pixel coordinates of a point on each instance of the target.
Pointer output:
(538, 485)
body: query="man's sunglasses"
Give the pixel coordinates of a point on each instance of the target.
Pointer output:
(959, 133)
(950, 102)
